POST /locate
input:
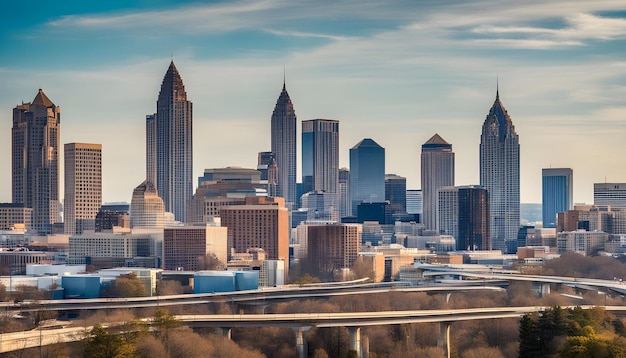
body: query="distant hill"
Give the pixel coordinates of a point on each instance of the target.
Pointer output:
(530, 213)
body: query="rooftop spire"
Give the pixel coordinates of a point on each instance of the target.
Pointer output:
(497, 88)
(284, 77)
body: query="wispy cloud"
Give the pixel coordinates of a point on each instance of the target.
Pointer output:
(305, 34)
(580, 27)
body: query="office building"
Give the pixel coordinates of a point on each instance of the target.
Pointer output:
(112, 215)
(395, 193)
(581, 241)
(262, 222)
(115, 249)
(185, 248)
(332, 247)
(320, 205)
(283, 131)
(345, 203)
(173, 142)
(15, 216)
(557, 193)
(464, 215)
(499, 174)
(613, 194)
(83, 186)
(35, 160)
(268, 168)
(146, 207)
(414, 202)
(223, 187)
(320, 155)
(367, 173)
(437, 172)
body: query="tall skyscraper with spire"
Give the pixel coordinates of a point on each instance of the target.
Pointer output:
(173, 142)
(35, 164)
(284, 146)
(437, 172)
(499, 174)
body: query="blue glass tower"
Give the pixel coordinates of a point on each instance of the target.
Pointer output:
(557, 193)
(367, 173)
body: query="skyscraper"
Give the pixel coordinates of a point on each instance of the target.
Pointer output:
(284, 146)
(320, 155)
(174, 158)
(345, 204)
(395, 192)
(557, 193)
(83, 186)
(437, 172)
(613, 194)
(464, 214)
(367, 173)
(151, 148)
(499, 173)
(35, 164)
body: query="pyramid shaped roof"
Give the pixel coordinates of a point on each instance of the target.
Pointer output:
(42, 100)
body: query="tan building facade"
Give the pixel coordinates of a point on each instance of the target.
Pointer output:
(83, 186)
(262, 222)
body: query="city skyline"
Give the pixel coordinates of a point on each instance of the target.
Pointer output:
(395, 73)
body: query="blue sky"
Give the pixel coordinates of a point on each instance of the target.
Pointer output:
(396, 72)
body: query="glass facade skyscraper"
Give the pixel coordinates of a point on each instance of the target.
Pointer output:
(367, 173)
(173, 143)
(499, 174)
(283, 127)
(557, 186)
(320, 155)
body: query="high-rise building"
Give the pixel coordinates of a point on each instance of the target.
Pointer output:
(35, 160)
(437, 172)
(186, 247)
(146, 207)
(320, 155)
(557, 193)
(395, 192)
(284, 146)
(332, 247)
(173, 143)
(367, 173)
(613, 194)
(414, 202)
(499, 174)
(262, 222)
(345, 204)
(83, 186)
(151, 171)
(111, 215)
(464, 214)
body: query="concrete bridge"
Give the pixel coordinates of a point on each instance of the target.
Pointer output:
(301, 323)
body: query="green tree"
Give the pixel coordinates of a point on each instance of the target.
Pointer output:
(529, 340)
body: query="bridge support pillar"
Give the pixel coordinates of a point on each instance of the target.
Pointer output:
(545, 289)
(302, 346)
(444, 337)
(355, 340)
(227, 332)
